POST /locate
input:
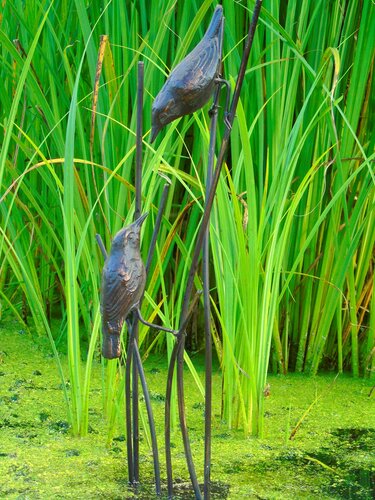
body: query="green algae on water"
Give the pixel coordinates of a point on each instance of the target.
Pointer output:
(331, 455)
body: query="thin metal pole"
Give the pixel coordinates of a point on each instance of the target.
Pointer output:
(206, 295)
(101, 245)
(138, 146)
(167, 420)
(135, 357)
(128, 413)
(219, 164)
(127, 386)
(180, 341)
(155, 452)
(207, 317)
(135, 396)
(137, 214)
(182, 415)
(133, 353)
(155, 233)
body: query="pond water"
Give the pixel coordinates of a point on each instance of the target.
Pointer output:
(331, 455)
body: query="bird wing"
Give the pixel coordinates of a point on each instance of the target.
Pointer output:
(117, 297)
(199, 68)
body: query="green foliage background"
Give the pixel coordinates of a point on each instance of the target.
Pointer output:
(293, 225)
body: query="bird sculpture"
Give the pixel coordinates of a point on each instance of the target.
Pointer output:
(192, 82)
(123, 284)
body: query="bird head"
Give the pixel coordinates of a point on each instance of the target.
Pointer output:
(129, 236)
(165, 109)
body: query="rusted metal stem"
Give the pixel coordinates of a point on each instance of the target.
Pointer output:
(128, 412)
(101, 245)
(206, 291)
(207, 314)
(138, 146)
(137, 213)
(178, 349)
(155, 452)
(155, 233)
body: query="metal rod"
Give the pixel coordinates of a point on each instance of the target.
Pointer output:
(152, 325)
(135, 396)
(101, 245)
(167, 419)
(155, 233)
(138, 146)
(155, 452)
(207, 315)
(206, 291)
(133, 352)
(180, 342)
(137, 214)
(219, 164)
(208, 372)
(183, 425)
(128, 405)
(128, 412)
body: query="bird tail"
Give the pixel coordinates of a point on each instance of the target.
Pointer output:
(111, 347)
(216, 23)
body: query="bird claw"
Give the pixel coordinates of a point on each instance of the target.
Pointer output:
(220, 81)
(227, 122)
(213, 110)
(151, 325)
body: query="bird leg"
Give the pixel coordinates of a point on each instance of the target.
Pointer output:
(170, 330)
(215, 104)
(151, 325)
(222, 82)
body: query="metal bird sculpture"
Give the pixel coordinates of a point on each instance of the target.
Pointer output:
(123, 284)
(191, 84)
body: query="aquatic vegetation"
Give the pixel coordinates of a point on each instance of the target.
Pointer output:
(292, 228)
(332, 455)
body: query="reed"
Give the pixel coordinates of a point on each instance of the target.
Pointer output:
(292, 227)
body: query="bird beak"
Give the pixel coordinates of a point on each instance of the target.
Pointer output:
(154, 132)
(141, 220)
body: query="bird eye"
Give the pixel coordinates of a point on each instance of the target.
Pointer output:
(163, 117)
(169, 111)
(132, 238)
